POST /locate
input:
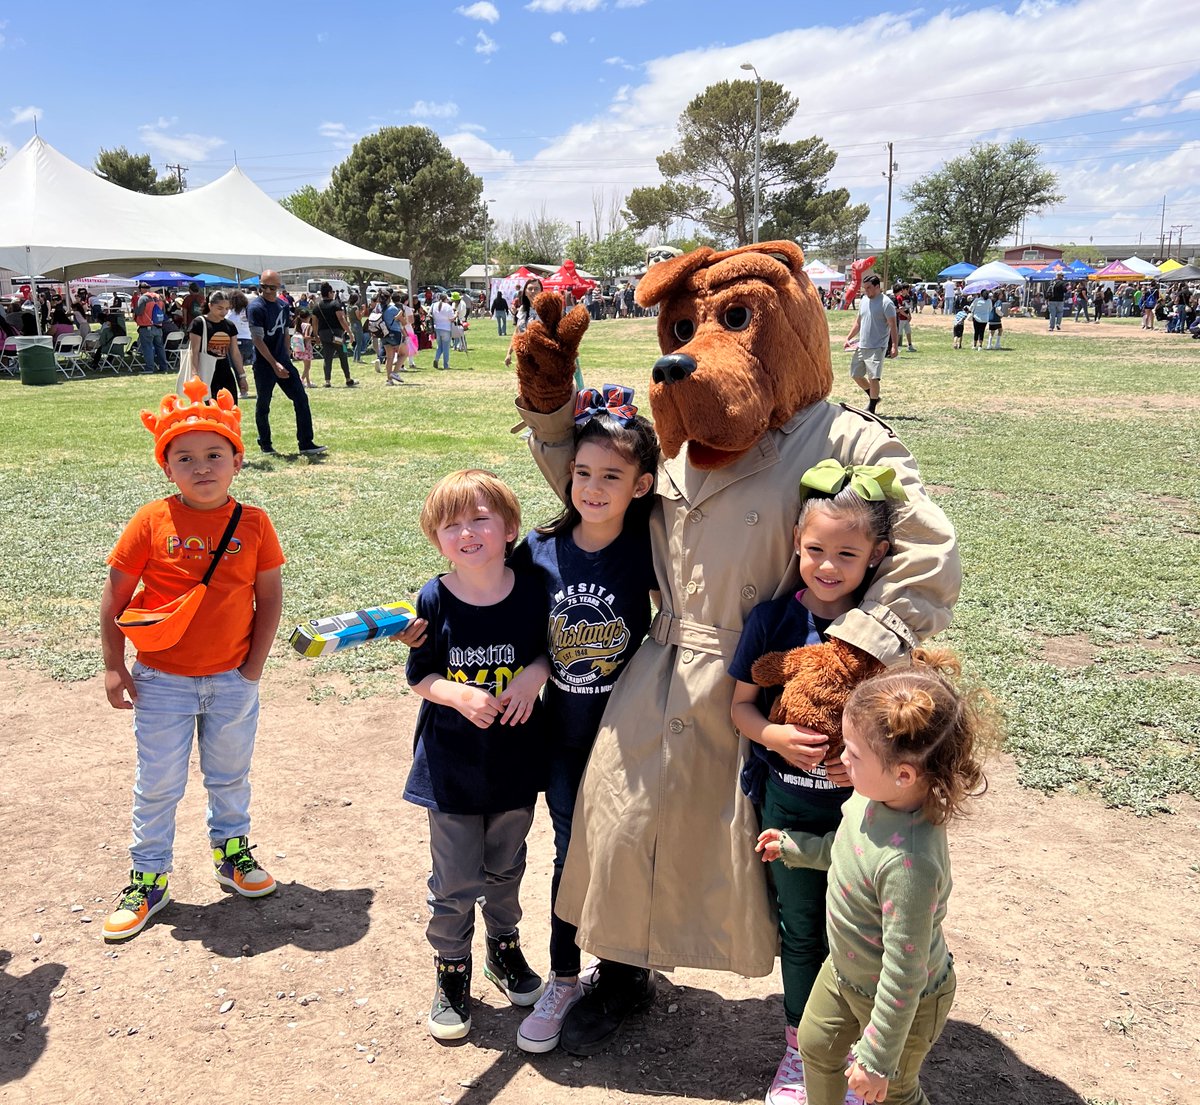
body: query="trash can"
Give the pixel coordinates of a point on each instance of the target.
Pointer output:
(36, 357)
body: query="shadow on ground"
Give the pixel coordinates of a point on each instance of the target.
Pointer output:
(298, 916)
(24, 1002)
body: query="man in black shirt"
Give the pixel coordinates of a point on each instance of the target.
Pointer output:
(333, 331)
(1056, 298)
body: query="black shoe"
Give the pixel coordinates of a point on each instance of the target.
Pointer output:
(351, 383)
(314, 450)
(872, 405)
(269, 450)
(599, 1014)
(450, 1013)
(505, 965)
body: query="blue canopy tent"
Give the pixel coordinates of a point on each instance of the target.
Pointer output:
(1080, 268)
(1052, 271)
(957, 272)
(210, 281)
(158, 279)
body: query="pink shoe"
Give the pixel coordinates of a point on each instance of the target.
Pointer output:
(539, 1031)
(787, 1087)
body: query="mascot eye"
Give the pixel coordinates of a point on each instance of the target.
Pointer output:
(684, 329)
(736, 318)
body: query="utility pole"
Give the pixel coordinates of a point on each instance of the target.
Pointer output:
(1181, 227)
(1161, 224)
(887, 232)
(179, 170)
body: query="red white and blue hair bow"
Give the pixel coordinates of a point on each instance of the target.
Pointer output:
(613, 399)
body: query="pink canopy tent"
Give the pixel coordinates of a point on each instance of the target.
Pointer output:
(1117, 271)
(566, 279)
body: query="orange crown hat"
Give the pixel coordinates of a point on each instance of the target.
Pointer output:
(198, 411)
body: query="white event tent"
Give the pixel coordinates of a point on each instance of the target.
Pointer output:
(998, 272)
(59, 219)
(822, 275)
(1146, 268)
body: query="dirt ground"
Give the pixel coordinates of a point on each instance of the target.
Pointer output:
(1074, 929)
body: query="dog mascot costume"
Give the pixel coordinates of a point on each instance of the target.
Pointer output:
(661, 870)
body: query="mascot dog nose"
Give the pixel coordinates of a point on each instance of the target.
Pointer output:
(673, 368)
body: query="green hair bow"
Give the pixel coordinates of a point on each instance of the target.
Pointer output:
(872, 482)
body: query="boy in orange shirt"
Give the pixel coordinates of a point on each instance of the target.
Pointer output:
(207, 683)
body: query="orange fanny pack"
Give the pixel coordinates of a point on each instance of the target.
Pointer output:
(161, 627)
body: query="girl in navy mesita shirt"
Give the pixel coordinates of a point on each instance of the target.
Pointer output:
(595, 568)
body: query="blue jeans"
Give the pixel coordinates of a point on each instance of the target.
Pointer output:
(150, 342)
(1082, 308)
(292, 386)
(362, 342)
(221, 711)
(566, 772)
(1055, 309)
(246, 347)
(501, 322)
(443, 348)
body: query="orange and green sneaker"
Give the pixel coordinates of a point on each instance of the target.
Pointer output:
(236, 868)
(145, 895)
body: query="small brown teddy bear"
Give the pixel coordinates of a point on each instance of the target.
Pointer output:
(815, 685)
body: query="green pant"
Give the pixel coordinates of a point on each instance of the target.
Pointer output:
(800, 892)
(835, 1018)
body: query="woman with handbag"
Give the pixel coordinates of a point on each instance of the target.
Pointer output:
(213, 344)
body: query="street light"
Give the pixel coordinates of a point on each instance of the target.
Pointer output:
(757, 137)
(487, 292)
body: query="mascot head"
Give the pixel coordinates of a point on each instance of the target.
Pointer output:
(745, 345)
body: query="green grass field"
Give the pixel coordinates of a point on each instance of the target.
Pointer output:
(1068, 463)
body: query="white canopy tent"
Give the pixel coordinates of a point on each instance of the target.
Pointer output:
(1147, 268)
(56, 218)
(996, 271)
(822, 275)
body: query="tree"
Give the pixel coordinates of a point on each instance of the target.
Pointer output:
(133, 171)
(578, 249)
(616, 252)
(400, 192)
(974, 201)
(710, 171)
(306, 204)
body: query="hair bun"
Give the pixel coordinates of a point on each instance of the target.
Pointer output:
(909, 711)
(939, 660)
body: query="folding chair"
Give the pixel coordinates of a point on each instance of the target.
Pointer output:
(69, 355)
(173, 344)
(8, 357)
(118, 356)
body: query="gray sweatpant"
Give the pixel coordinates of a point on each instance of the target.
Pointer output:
(476, 858)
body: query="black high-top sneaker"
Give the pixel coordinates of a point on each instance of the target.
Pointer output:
(450, 1014)
(505, 965)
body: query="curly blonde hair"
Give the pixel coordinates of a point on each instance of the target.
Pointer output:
(922, 714)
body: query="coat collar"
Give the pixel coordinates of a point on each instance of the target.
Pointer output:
(695, 485)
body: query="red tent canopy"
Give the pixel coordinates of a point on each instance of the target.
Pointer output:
(566, 279)
(521, 274)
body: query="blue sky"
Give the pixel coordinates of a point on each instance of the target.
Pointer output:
(562, 105)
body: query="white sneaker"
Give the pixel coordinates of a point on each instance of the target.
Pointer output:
(539, 1031)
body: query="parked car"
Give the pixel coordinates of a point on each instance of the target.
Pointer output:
(437, 290)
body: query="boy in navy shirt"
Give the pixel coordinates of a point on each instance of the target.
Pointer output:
(479, 740)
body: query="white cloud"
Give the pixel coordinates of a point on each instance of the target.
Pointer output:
(484, 45)
(339, 133)
(429, 109)
(564, 5)
(483, 11)
(1002, 83)
(187, 147)
(474, 128)
(630, 3)
(558, 38)
(618, 60)
(25, 115)
(1190, 101)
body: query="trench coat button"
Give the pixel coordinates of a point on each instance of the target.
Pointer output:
(695, 515)
(692, 587)
(675, 725)
(749, 591)
(752, 518)
(688, 655)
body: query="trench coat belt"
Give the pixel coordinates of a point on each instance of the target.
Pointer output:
(667, 629)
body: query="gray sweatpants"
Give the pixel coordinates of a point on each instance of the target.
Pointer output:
(476, 858)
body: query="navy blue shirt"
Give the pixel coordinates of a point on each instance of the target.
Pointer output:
(458, 767)
(272, 320)
(779, 626)
(599, 614)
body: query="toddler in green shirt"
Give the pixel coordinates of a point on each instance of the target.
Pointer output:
(914, 740)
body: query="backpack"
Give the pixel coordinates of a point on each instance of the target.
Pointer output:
(375, 321)
(157, 314)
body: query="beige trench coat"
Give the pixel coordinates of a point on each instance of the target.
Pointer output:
(661, 870)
